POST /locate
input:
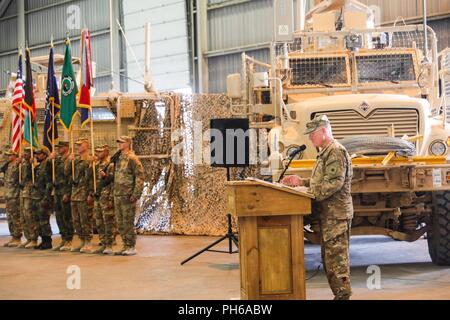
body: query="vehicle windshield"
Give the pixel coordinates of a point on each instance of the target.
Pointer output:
(385, 67)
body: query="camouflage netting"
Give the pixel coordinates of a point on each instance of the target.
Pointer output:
(181, 198)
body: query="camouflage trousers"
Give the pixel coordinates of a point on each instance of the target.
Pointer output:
(41, 217)
(13, 216)
(29, 224)
(82, 220)
(63, 212)
(105, 221)
(335, 238)
(125, 213)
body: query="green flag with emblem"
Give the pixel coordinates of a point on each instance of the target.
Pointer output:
(69, 91)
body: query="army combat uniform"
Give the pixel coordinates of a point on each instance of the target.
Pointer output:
(330, 184)
(41, 201)
(63, 209)
(128, 182)
(104, 204)
(81, 215)
(29, 223)
(12, 197)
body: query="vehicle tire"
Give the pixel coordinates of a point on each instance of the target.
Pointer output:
(439, 236)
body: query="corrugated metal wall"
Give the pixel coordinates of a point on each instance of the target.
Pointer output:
(391, 9)
(169, 43)
(45, 18)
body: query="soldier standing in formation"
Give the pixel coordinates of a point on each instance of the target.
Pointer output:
(128, 186)
(12, 197)
(104, 200)
(81, 215)
(28, 221)
(120, 183)
(62, 191)
(41, 199)
(330, 184)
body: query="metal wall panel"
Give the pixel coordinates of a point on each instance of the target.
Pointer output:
(390, 10)
(7, 63)
(240, 25)
(43, 23)
(169, 43)
(8, 32)
(220, 67)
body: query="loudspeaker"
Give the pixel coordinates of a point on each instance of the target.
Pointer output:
(230, 143)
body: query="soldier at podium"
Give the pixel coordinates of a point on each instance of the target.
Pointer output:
(330, 184)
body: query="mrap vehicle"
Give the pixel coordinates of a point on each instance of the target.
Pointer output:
(371, 82)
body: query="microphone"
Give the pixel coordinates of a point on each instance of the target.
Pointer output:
(296, 151)
(291, 157)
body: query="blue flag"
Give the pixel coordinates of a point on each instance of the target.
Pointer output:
(52, 106)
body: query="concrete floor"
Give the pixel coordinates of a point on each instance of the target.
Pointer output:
(155, 273)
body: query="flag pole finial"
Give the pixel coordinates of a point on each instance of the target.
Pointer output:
(51, 41)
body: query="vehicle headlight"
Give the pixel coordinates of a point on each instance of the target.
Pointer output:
(438, 148)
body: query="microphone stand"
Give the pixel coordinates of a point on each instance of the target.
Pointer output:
(287, 166)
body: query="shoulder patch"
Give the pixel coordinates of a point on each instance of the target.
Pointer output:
(333, 168)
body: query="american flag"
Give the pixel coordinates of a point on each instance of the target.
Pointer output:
(18, 110)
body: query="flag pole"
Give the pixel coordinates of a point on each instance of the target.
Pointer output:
(20, 126)
(93, 154)
(53, 127)
(31, 134)
(73, 152)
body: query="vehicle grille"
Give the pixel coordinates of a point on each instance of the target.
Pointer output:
(350, 123)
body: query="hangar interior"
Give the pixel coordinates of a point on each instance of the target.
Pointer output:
(163, 71)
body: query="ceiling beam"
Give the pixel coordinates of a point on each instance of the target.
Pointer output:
(4, 4)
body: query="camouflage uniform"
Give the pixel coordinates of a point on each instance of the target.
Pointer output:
(40, 194)
(62, 209)
(12, 197)
(330, 184)
(104, 203)
(128, 182)
(29, 224)
(81, 215)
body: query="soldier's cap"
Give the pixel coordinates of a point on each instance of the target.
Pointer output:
(82, 140)
(123, 139)
(62, 144)
(40, 151)
(319, 121)
(100, 148)
(11, 153)
(27, 149)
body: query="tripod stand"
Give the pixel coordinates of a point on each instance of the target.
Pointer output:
(230, 235)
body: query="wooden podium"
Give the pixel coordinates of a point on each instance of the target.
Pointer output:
(271, 248)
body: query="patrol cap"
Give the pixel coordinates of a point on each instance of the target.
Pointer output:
(123, 139)
(62, 144)
(11, 153)
(40, 151)
(82, 140)
(27, 149)
(319, 121)
(100, 148)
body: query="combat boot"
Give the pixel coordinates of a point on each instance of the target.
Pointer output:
(131, 251)
(14, 243)
(59, 246)
(67, 246)
(87, 248)
(23, 245)
(99, 250)
(121, 251)
(31, 245)
(46, 243)
(77, 248)
(108, 250)
(6, 244)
